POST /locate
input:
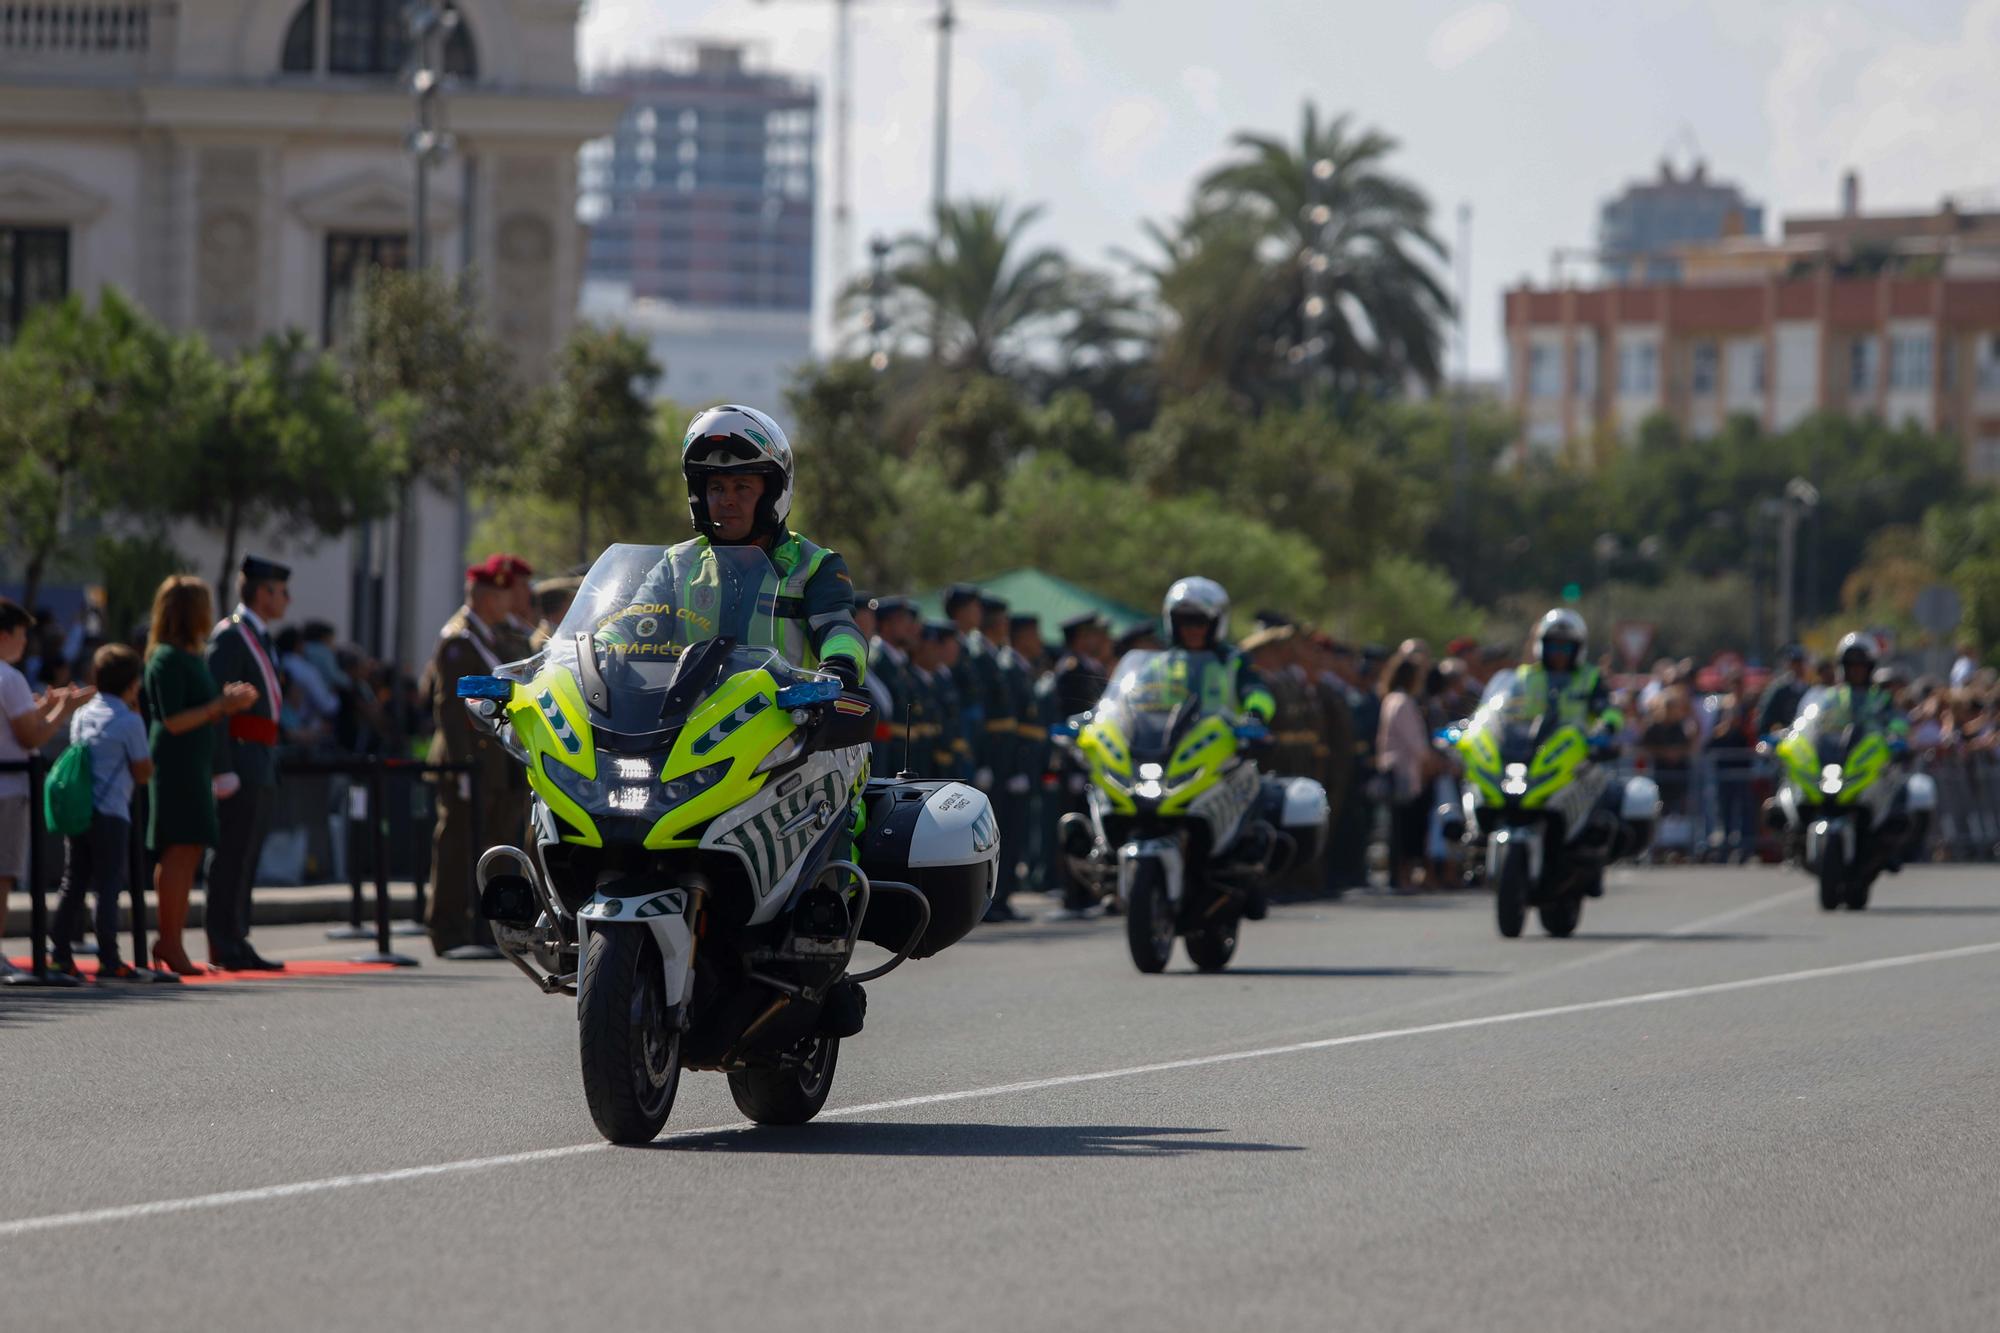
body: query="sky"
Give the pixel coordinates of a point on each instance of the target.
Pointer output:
(1529, 112)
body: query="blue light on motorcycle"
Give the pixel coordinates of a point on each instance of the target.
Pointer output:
(807, 693)
(1064, 731)
(485, 687)
(1251, 731)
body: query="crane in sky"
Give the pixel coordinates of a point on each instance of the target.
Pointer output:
(946, 22)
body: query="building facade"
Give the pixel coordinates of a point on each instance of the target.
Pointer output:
(234, 165)
(701, 211)
(1640, 231)
(704, 194)
(1895, 316)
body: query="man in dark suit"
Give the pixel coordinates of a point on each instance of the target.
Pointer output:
(897, 629)
(241, 650)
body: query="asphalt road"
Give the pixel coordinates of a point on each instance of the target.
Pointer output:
(1716, 1108)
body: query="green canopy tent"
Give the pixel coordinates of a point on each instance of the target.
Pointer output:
(1049, 599)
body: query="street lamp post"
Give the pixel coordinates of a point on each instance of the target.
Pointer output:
(1801, 497)
(877, 318)
(1309, 353)
(430, 25)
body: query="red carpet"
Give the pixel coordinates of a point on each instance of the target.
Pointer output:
(300, 967)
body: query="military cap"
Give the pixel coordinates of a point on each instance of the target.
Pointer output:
(1131, 638)
(1271, 636)
(1024, 620)
(1272, 619)
(892, 606)
(992, 605)
(957, 595)
(864, 601)
(256, 569)
(517, 568)
(569, 583)
(492, 572)
(937, 631)
(1076, 625)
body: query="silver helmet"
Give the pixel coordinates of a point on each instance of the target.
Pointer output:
(731, 438)
(1561, 625)
(1200, 597)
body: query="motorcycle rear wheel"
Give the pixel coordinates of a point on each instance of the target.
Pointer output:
(1857, 892)
(631, 1057)
(1149, 918)
(1510, 895)
(1560, 918)
(791, 1095)
(1211, 947)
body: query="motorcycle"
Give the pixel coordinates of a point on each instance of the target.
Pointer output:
(1847, 807)
(1550, 815)
(707, 848)
(1181, 825)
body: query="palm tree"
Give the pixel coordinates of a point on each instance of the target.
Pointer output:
(1349, 233)
(1221, 306)
(971, 291)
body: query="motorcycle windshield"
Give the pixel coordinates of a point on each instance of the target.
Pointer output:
(1154, 697)
(1507, 716)
(644, 614)
(1831, 732)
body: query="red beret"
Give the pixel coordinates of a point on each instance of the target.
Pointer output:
(515, 566)
(492, 572)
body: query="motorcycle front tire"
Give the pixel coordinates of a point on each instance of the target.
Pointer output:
(1832, 875)
(1510, 894)
(631, 1056)
(790, 1095)
(1149, 918)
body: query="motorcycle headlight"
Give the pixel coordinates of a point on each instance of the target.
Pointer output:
(1515, 782)
(630, 787)
(1152, 772)
(1829, 780)
(1148, 789)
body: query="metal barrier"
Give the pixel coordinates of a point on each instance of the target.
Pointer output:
(373, 773)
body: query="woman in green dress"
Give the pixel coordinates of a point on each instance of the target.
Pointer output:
(185, 707)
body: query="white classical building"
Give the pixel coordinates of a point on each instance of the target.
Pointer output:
(234, 165)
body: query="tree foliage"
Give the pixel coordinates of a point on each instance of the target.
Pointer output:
(273, 439)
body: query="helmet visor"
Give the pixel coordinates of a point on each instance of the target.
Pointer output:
(721, 451)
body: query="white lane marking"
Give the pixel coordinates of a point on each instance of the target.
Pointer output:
(160, 1208)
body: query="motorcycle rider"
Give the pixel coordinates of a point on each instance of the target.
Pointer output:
(1857, 699)
(738, 466)
(1560, 683)
(1196, 614)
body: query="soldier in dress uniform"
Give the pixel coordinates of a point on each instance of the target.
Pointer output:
(1337, 704)
(241, 649)
(474, 642)
(897, 630)
(1009, 701)
(974, 681)
(1025, 647)
(552, 602)
(937, 706)
(1075, 686)
(954, 732)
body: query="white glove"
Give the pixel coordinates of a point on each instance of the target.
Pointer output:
(225, 785)
(1018, 785)
(983, 779)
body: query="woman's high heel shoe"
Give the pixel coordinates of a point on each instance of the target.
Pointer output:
(181, 966)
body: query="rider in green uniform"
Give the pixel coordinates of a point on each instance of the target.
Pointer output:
(738, 466)
(1857, 700)
(1560, 683)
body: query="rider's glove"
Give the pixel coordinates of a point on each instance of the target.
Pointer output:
(983, 779)
(1252, 731)
(1899, 747)
(1018, 785)
(1600, 744)
(844, 670)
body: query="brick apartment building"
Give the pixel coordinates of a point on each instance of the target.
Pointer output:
(1893, 316)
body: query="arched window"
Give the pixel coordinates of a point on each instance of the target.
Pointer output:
(366, 37)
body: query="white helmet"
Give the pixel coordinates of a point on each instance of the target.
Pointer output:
(1863, 647)
(1563, 626)
(1197, 597)
(738, 439)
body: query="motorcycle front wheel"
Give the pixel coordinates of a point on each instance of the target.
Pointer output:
(1832, 875)
(790, 1095)
(1510, 895)
(1560, 918)
(1149, 918)
(631, 1056)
